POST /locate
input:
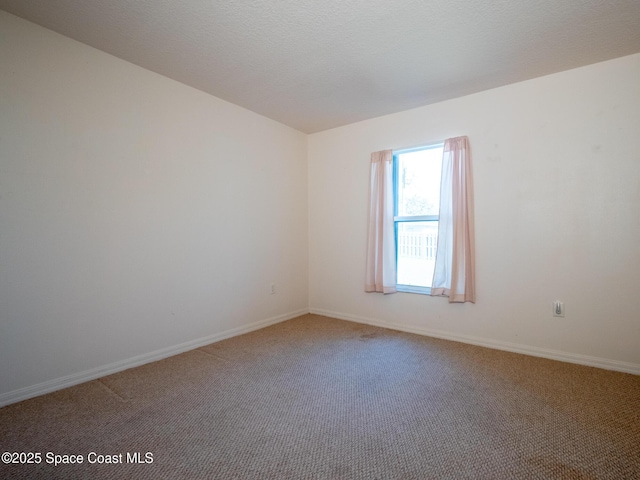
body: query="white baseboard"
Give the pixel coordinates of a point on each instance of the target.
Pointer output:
(604, 363)
(81, 377)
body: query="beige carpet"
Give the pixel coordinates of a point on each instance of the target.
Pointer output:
(315, 398)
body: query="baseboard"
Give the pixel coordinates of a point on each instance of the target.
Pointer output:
(604, 363)
(81, 377)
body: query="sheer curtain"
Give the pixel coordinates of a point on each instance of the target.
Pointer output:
(381, 243)
(454, 274)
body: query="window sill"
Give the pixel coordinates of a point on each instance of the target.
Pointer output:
(413, 289)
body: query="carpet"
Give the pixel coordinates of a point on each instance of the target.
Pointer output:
(320, 398)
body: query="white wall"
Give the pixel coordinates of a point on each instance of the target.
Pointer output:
(557, 175)
(139, 216)
(136, 213)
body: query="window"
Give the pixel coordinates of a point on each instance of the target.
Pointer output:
(416, 183)
(407, 212)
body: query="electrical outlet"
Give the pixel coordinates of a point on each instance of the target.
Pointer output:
(273, 289)
(558, 309)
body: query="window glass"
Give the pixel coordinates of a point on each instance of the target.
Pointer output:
(417, 177)
(417, 242)
(419, 182)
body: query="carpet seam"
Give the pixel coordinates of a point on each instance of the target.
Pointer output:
(111, 390)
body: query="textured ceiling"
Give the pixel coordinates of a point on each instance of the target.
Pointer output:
(315, 64)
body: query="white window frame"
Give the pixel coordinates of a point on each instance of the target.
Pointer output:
(409, 218)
